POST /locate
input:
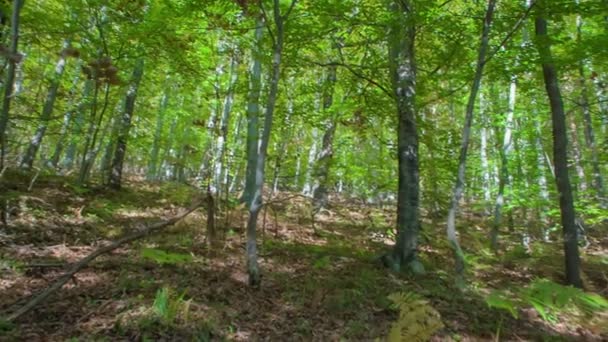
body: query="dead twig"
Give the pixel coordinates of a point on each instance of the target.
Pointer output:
(75, 268)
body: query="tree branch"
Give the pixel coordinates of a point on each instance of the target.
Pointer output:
(155, 228)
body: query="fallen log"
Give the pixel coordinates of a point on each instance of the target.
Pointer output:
(75, 268)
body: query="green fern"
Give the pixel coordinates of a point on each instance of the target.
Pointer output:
(168, 307)
(418, 320)
(162, 257)
(499, 300)
(548, 299)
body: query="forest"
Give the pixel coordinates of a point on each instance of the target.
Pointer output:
(303, 170)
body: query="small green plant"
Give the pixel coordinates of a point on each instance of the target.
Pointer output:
(548, 299)
(162, 257)
(418, 320)
(168, 306)
(322, 263)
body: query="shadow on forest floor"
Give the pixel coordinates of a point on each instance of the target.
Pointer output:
(324, 284)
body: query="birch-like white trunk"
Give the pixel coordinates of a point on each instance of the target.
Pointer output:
(47, 110)
(460, 178)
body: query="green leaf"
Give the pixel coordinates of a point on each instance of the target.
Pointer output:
(499, 300)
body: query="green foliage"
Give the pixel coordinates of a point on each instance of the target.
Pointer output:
(6, 326)
(165, 258)
(322, 263)
(176, 193)
(7, 264)
(418, 320)
(500, 300)
(168, 306)
(548, 299)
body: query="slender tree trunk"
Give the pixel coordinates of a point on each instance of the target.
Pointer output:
(580, 182)
(28, 159)
(115, 179)
(224, 123)
(67, 120)
(560, 152)
(205, 172)
(164, 169)
(312, 156)
(92, 130)
(256, 201)
(485, 165)
(160, 119)
(232, 180)
(79, 123)
(598, 182)
(460, 178)
(286, 135)
(503, 176)
(325, 156)
(253, 112)
(402, 65)
(10, 79)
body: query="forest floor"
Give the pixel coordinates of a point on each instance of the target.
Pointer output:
(323, 285)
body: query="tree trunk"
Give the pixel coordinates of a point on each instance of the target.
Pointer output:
(325, 156)
(256, 201)
(95, 121)
(222, 138)
(312, 155)
(485, 165)
(67, 119)
(253, 112)
(580, 182)
(503, 175)
(598, 182)
(115, 179)
(28, 159)
(10, 79)
(79, 123)
(402, 65)
(460, 178)
(560, 154)
(152, 174)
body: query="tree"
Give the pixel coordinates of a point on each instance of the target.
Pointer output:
(255, 200)
(560, 149)
(13, 58)
(115, 177)
(28, 159)
(402, 63)
(466, 134)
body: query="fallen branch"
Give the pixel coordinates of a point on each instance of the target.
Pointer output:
(100, 251)
(29, 188)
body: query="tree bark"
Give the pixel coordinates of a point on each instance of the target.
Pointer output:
(560, 154)
(79, 123)
(460, 178)
(256, 201)
(598, 181)
(115, 178)
(402, 65)
(10, 79)
(325, 156)
(152, 173)
(28, 159)
(503, 176)
(222, 138)
(253, 112)
(68, 119)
